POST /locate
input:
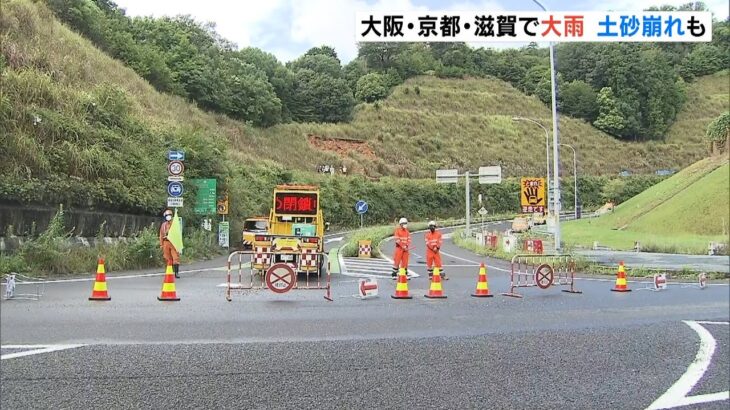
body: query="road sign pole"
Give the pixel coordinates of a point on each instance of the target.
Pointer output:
(468, 205)
(360, 221)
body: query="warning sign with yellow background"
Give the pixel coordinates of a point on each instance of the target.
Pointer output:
(532, 195)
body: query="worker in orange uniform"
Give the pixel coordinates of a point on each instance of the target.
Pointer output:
(402, 247)
(169, 253)
(434, 240)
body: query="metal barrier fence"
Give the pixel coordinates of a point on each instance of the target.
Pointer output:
(261, 271)
(13, 280)
(540, 271)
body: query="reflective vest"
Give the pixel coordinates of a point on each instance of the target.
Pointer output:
(433, 240)
(164, 229)
(402, 237)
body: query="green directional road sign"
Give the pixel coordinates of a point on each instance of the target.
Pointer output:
(206, 199)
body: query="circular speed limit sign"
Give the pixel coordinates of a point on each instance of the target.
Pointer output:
(280, 278)
(544, 276)
(175, 168)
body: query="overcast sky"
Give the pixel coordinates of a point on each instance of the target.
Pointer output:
(288, 28)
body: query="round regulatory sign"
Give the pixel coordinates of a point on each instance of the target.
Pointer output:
(280, 278)
(175, 168)
(544, 276)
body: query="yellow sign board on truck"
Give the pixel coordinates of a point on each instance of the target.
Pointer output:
(532, 195)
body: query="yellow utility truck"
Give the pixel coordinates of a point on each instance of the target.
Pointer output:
(295, 228)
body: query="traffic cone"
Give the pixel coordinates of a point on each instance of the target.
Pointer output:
(436, 292)
(621, 279)
(100, 292)
(401, 288)
(482, 285)
(168, 286)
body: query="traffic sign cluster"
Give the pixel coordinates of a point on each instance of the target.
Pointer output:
(175, 169)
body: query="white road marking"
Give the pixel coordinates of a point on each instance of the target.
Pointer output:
(474, 262)
(676, 396)
(705, 322)
(338, 239)
(36, 349)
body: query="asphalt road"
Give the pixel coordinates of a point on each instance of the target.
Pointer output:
(598, 349)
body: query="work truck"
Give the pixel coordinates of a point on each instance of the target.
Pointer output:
(296, 227)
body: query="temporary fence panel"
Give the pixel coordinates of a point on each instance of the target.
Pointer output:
(542, 271)
(277, 277)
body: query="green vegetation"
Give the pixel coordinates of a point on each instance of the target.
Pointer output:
(680, 215)
(632, 91)
(50, 253)
(80, 128)
(429, 123)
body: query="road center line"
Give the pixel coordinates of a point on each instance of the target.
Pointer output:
(676, 396)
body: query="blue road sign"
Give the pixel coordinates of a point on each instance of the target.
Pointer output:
(176, 155)
(361, 207)
(175, 189)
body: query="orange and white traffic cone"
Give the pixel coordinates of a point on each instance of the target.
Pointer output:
(401, 288)
(168, 286)
(621, 279)
(436, 291)
(482, 290)
(100, 292)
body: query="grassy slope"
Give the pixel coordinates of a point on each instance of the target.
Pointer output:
(467, 123)
(682, 213)
(44, 50)
(449, 123)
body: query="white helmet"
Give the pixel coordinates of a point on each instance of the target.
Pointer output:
(431, 223)
(403, 221)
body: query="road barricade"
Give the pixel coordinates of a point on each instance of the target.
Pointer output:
(278, 277)
(533, 246)
(490, 241)
(542, 271)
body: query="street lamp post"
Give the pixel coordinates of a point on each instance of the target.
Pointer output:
(547, 154)
(556, 155)
(575, 181)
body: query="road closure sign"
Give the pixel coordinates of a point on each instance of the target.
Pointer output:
(532, 195)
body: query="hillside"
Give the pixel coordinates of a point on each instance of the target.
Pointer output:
(684, 212)
(429, 123)
(79, 127)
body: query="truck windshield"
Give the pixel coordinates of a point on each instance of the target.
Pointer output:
(254, 225)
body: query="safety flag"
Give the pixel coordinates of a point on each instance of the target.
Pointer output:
(174, 235)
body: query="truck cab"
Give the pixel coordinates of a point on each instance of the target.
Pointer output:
(252, 227)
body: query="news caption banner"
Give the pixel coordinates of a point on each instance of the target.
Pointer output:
(575, 26)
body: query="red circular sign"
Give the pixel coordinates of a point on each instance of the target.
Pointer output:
(175, 168)
(280, 278)
(544, 276)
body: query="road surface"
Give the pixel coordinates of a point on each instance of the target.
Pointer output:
(598, 349)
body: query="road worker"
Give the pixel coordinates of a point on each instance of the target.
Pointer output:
(433, 250)
(169, 253)
(402, 247)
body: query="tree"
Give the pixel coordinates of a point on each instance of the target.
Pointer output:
(609, 118)
(371, 87)
(319, 63)
(323, 50)
(321, 98)
(532, 78)
(380, 56)
(718, 131)
(578, 99)
(353, 71)
(704, 59)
